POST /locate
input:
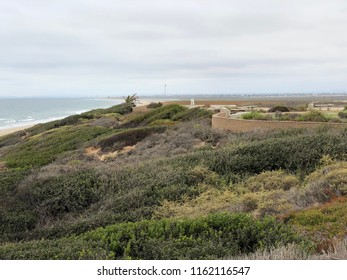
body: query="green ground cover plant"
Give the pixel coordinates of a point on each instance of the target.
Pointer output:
(211, 237)
(325, 224)
(42, 149)
(254, 115)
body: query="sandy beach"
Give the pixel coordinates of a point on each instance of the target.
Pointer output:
(12, 129)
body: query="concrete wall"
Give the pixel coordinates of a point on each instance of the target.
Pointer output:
(226, 102)
(220, 121)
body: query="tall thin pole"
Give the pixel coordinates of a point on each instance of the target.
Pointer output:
(165, 90)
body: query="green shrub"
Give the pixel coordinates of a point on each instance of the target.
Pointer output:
(206, 134)
(128, 137)
(12, 139)
(129, 193)
(172, 112)
(294, 154)
(343, 114)
(9, 180)
(330, 180)
(56, 196)
(121, 109)
(163, 122)
(192, 114)
(279, 108)
(288, 117)
(212, 237)
(14, 222)
(163, 112)
(313, 116)
(256, 116)
(322, 223)
(154, 105)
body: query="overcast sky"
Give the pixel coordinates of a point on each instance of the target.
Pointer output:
(118, 47)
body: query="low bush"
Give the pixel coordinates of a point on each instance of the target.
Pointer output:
(211, 237)
(124, 193)
(207, 134)
(154, 105)
(271, 180)
(58, 195)
(212, 200)
(192, 114)
(163, 122)
(9, 180)
(343, 114)
(279, 108)
(163, 112)
(256, 116)
(12, 223)
(70, 120)
(294, 154)
(128, 137)
(106, 121)
(12, 139)
(324, 224)
(121, 109)
(313, 116)
(289, 117)
(331, 180)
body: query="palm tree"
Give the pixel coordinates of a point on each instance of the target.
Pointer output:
(131, 99)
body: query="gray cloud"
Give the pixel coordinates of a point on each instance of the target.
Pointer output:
(109, 47)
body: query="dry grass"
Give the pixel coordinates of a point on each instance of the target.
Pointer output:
(97, 153)
(211, 201)
(293, 252)
(316, 209)
(179, 139)
(270, 180)
(331, 178)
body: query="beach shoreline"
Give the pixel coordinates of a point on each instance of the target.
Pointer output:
(9, 130)
(6, 131)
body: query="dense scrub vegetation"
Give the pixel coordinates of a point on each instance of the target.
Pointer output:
(182, 190)
(210, 237)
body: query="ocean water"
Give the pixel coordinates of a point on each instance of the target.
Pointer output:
(16, 112)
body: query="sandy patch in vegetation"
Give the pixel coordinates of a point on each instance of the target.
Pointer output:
(199, 144)
(2, 166)
(91, 151)
(97, 152)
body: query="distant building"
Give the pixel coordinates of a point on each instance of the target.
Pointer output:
(338, 106)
